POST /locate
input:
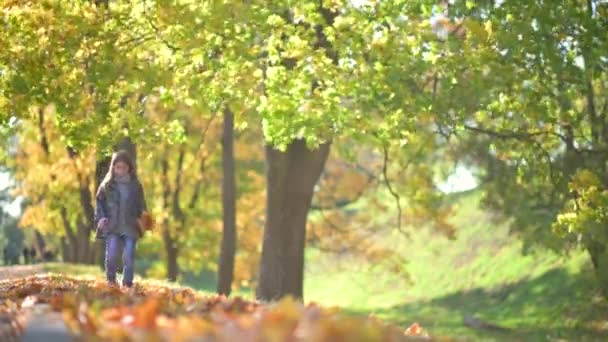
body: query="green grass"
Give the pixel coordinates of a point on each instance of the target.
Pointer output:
(73, 269)
(482, 273)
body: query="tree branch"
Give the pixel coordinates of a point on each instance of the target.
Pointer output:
(202, 166)
(343, 202)
(177, 210)
(172, 47)
(86, 199)
(528, 136)
(390, 188)
(44, 143)
(512, 134)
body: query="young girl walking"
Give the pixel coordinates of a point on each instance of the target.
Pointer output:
(120, 204)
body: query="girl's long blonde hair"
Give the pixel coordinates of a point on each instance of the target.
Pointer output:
(118, 156)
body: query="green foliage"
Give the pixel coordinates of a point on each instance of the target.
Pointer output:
(11, 241)
(11, 237)
(87, 62)
(304, 70)
(524, 94)
(584, 217)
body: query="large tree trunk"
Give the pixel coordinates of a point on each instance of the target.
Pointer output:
(228, 247)
(290, 177)
(598, 124)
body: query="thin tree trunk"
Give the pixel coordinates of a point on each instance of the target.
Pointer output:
(71, 245)
(65, 250)
(101, 168)
(228, 246)
(44, 143)
(83, 234)
(170, 244)
(291, 177)
(172, 253)
(86, 224)
(40, 245)
(92, 257)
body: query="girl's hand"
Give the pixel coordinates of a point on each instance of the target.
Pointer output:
(102, 224)
(146, 221)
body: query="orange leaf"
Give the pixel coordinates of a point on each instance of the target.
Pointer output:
(414, 330)
(86, 319)
(145, 314)
(114, 314)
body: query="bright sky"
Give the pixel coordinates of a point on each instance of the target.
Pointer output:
(461, 180)
(13, 209)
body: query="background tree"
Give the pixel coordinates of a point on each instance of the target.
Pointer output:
(530, 79)
(12, 237)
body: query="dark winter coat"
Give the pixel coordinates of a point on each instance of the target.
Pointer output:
(108, 206)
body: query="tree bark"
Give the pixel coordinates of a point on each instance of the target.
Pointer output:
(70, 247)
(290, 177)
(169, 242)
(65, 250)
(84, 224)
(83, 234)
(172, 253)
(228, 246)
(44, 143)
(40, 245)
(101, 168)
(599, 259)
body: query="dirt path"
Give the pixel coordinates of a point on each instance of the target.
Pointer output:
(39, 323)
(8, 272)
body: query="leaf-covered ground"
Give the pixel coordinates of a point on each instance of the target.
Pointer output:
(151, 311)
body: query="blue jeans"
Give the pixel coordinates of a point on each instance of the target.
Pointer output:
(114, 244)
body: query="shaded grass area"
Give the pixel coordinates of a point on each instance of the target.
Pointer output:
(482, 274)
(554, 305)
